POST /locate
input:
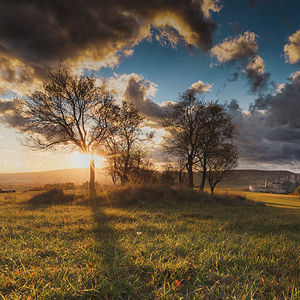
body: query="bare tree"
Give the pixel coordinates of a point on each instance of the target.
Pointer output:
(68, 113)
(223, 158)
(123, 149)
(195, 130)
(184, 124)
(219, 129)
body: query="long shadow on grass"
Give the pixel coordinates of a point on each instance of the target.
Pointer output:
(234, 214)
(110, 251)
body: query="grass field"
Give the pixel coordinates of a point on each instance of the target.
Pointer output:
(149, 242)
(276, 200)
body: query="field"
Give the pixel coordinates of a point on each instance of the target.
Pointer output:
(149, 242)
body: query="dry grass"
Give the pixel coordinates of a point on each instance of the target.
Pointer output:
(147, 242)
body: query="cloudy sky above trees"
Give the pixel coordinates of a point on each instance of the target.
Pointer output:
(243, 53)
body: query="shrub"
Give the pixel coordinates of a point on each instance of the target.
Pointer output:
(54, 196)
(297, 191)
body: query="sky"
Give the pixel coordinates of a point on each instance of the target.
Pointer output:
(245, 54)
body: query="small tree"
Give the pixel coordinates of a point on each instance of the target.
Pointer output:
(297, 191)
(68, 113)
(219, 130)
(223, 158)
(122, 146)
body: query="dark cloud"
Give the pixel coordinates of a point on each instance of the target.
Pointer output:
(10, 114)
(270, 130)
(37, 33)
(136, 92)
(258, 82)
(234, 77)
(233, 105)
(7, 105)
(283, 135)
(283, 108)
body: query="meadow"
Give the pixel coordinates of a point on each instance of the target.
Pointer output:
(149, 242)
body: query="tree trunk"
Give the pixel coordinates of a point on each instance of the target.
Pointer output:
(202, 185)
(190, 172)
(212, 190)
(92, 178)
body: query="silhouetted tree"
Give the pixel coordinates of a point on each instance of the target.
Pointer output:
(184, 124)
(222, 158)
(194, 131)
(123, 146)
(69, 112)
(219, 130)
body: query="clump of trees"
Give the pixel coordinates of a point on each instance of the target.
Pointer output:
(124, 146)
(201, 135)
(70, 112)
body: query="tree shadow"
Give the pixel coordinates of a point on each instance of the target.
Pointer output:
(109, 251)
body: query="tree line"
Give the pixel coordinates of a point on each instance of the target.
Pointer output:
(70, 112)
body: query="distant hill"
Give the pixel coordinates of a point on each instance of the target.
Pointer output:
(236, 179)
(241, 179)
(23, 180)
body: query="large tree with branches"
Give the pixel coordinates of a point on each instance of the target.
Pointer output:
(184, 124)
(69, 112)
(216, 143)
(195, 130)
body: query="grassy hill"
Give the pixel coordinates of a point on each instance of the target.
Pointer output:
(147, 242)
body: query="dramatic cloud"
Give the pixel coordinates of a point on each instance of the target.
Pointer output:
(210, 5)
(7, 105)
(244, 48)
(283, 107)
(257, 78)
(92, 34)
(270, 131)
(9, 112)
(233, 49)
(292, 48)
(134, 88)
(200, 87)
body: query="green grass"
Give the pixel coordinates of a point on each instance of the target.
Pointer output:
(276, 200)
(147, 243)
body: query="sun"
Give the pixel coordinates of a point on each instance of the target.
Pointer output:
(83, 160)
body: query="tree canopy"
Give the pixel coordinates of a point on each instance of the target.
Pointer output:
(69, 112)
(199, 134)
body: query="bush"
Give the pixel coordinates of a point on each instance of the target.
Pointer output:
(54, 196)
(297, 191)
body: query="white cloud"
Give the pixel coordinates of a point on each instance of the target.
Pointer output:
(236, 48)
(292, 48)
(200, 87)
